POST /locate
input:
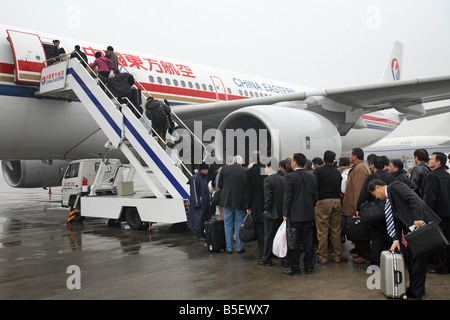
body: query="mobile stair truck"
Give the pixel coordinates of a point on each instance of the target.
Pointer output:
(168, 200)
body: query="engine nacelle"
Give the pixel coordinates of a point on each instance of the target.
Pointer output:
(34, 173)
(282, 130)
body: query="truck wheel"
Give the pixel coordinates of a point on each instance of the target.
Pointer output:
(133, 219)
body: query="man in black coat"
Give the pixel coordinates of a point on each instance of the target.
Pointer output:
(160, 114)
(232, 199)
(80, 55)
(397, 172)
(437, 197)
(420, 171)
(408, 210)
(273, 211)
(199, 202)
(254, 198)
(119, 85)
(378, 235)
(300, 198)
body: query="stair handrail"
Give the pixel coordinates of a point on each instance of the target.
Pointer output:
(172, 112)
(146, 120)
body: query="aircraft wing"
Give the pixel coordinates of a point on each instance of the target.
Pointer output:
(429, 113)
(406, 96)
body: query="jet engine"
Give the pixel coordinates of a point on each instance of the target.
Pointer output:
(277, 132)
(34, 173)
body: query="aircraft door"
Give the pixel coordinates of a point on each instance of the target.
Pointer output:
(219, 87)
(29, 56)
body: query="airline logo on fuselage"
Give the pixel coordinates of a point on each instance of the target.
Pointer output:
(395, 67)
(146, 63)
(263, 86)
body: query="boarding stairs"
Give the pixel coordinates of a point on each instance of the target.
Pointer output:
(122, 128)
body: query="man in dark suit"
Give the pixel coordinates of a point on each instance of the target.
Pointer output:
(254, 198)
(437, 197)
(378, 235)
(232, 184)
(420, 171)
(300, 198)
(408, 211)
(273, 211)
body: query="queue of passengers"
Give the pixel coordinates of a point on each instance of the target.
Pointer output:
(317, 197)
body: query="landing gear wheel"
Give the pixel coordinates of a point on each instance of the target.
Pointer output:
(134, 220)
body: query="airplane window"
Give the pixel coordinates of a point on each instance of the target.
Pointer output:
(175, 82)
(251, 94)
(246, 93)
(197, 86)
(229, 90)
(190, 85)
(211, 88)
(183, 84)
(159, 80)
(204, 86)
(151, 79)
(240, 92)
(168, 81)
(256, 94)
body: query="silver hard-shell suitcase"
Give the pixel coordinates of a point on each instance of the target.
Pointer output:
(392, 275)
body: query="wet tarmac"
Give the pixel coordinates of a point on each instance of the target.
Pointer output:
(38, 254)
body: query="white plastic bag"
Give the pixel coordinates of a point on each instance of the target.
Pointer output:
(279, 247)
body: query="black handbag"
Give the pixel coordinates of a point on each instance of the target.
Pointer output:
(372, 213)
(357, 230)
(291, 234)
(247, 229)
(425, 239)
(215, 201)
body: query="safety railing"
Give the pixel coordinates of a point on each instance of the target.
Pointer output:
(172, 112)
(145, 119)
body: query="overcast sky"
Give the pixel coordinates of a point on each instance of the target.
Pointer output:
(319, 44)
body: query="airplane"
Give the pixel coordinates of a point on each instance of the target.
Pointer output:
(39, 134)
(438, 140)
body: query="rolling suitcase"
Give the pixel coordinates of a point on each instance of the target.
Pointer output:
(392, 275)
(215, 235)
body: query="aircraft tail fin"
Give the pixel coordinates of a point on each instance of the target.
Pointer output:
(394, 66)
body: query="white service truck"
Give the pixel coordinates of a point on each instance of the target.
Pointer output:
(86, 170)
(108, 192)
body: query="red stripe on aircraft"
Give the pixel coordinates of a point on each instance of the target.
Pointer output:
(30, 66)
(6, 68)
(378, 119)
(188, 92)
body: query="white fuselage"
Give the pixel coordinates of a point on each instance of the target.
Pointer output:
(32, 128)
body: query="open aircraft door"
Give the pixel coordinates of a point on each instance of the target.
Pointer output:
(29, 56)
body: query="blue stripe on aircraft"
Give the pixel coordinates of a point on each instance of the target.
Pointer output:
(376, 127)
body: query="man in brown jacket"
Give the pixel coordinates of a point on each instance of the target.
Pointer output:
(355, 180)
